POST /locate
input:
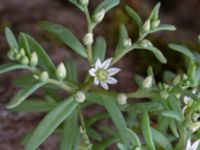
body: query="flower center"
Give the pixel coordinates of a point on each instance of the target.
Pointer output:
(101, 74)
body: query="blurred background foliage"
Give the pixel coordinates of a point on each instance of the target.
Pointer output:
(23, 15)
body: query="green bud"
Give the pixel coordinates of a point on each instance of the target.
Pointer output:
(22, 52)
(146, 43)
(98, 17)
(24, 60)
(147, 82)
(80, 97)
(164, 94)
(177, 80)
(146, 26)
(185, 77)
(122, 99)
(127, 42)
(34, 59)
(11, 54)
(61, 71)
(88, 39)
(44, 76)
(84, 2)
(155, 24)
(18, 56)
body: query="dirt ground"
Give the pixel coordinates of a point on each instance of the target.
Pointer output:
(23, 15)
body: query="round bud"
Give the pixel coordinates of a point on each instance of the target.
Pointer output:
(80, 97)
(88, 39)
(44, 76)
(24, 60)
(18, 56)
(98, 17)
(34, 59)
(22, 52)
(147, 82)
(61, 71)
(122, 99)
(84, 2)
(127, 42)
(146, 26)
(155, 24)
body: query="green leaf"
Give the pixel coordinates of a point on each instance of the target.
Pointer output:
(44, 59)
(173, 128)
(99, 50)
(23, 43)
(71, 70)
(24, 80)
(93, 134)
(105, 143)
(123, 34)
(65, 36)
(164, 27)
(134, 139)
(115, 114)
(107, 5)
(161, 139)
(182, 49)
(134, 15)
(33, 106)
(154, 13)
(138, 80)
(158, 54)
(172, 114)
(10, 67)
(77, 4)
(68, 138)
(12, 42)
(50, 122)
(24, 93)
(146, 131)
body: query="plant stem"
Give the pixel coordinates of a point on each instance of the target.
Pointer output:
(81, 118)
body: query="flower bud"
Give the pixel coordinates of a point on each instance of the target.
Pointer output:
(22, 52)
(44, 76)
(185, 77)
(80, 97)
(148, 82)
(127, 42)
(34, 59)
(155, 24)
(177, 80)
(88, 39)
(164, 94)
(18, 56)
(146, 43)
(61, 71)
(193, 126)
(98, 17)
(122, 99)
(24, 60)
(11, 54)
(146, 26)
(84, 2)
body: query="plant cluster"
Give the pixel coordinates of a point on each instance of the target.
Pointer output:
(167, 118)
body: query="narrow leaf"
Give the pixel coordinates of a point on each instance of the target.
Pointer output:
(134, 139)
(107, 5)
(50, 122)
(65, 36)
(154, 14)
(164, 27)
(77, 4)
(71, 70)
(24, 93)
(23, 43)
(172, 114)
(10, 67)
(146, 131)
(44, 59)
(134, 15)
(99, 49)
(12, 42)
(182, 49)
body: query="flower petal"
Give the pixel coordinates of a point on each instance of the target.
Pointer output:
(98, 64)
(195, 145)
(92, 72)
(96, 81)
(106, 63)
(113, 71)
(186, 99)
(188, 146)
(104, 85)
(111, 80)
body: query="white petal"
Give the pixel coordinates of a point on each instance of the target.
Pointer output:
(186, 99)
(111, 80)
(188, 146)
(106, 63)
(92, 72)
(104, 85)
(113, 71)
(195, 145)
(96, 81)
(98, 64)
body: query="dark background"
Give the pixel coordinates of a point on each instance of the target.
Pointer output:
(23, 15)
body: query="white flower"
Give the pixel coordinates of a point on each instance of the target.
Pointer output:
(103, 74)
(193, 146)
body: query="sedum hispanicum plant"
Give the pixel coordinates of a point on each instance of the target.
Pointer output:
(167, 118)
